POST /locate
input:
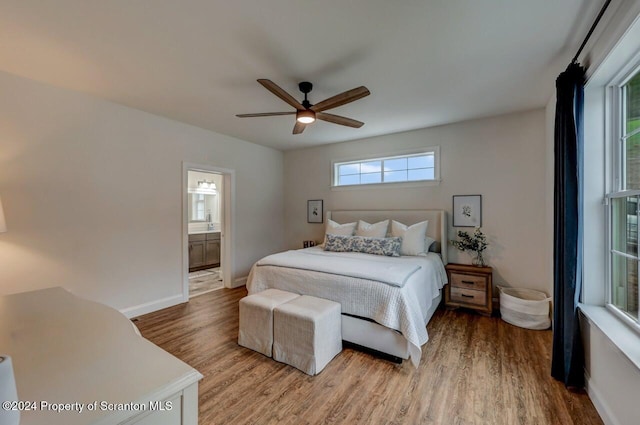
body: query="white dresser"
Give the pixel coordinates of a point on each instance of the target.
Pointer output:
(72, 353)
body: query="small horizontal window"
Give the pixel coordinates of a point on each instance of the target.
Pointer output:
(415, 167)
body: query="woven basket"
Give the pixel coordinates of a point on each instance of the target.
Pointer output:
(525, 308)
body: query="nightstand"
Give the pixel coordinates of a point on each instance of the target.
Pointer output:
(469, 287)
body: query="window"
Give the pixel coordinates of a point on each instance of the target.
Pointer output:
(625, 199)
(415, 167)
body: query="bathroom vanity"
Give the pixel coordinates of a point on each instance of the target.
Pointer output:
(204, 250)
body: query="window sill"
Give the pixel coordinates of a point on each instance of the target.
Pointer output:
(387, 185)
(624, 338)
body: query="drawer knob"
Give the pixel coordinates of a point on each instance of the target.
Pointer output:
(468, 282)
(467, 296)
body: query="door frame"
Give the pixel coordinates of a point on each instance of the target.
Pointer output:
(227, 234)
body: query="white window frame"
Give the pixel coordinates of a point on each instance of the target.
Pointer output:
(615, 115)
(435, 150)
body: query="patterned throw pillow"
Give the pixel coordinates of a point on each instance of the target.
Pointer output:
(337, 243)
(378, 246)
(389, 247)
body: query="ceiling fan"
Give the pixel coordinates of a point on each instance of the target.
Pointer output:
(306, 113)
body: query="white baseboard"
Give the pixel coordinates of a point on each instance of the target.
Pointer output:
(241, 281)
(151, 306)
(596, 398)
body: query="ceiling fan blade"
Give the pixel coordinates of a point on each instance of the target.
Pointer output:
(265, 114)
(299, 127)
(337, 119)
(341, 99)
(278, 91)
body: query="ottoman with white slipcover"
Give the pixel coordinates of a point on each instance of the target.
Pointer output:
(256, 319)
(307, 333)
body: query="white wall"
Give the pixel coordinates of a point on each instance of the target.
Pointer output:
(550, 113)
(613, 381)
(502, 158)
(92, 195)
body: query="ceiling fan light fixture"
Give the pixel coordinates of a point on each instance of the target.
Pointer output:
(306, 116)
(305, 112)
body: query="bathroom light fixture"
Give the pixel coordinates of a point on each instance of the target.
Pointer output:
(207, 184)
(205, 187)
(3, 222)
(305, 116)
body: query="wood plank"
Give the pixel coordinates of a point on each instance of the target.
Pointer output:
(474, 370)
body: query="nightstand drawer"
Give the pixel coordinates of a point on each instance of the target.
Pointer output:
(469, 287)
(466, 281)
(468, 296)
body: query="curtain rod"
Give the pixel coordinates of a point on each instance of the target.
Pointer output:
(593, 27)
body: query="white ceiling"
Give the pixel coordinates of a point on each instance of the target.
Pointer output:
(197, 61)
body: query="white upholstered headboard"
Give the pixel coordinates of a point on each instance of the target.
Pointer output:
(437, 228)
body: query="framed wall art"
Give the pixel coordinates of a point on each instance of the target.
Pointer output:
(467, 210)
(314, 211)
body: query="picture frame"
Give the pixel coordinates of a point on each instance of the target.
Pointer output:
(315, 212)
(467, 210)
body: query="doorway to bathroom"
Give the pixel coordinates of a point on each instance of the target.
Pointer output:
(206, 230)
(204, 205)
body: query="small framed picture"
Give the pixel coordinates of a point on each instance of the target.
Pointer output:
(467, 210)
(314, 211)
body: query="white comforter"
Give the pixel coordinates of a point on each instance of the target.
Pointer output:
(403, 308)
(391, 272)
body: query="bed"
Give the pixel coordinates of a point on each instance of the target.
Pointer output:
(386, 301)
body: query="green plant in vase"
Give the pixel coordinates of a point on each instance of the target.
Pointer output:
(475, 243)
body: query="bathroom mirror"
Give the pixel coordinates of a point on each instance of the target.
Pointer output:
(202, 208)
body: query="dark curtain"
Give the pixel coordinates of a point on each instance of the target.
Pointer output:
(567, 364)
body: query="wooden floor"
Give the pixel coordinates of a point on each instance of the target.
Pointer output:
(474, 370)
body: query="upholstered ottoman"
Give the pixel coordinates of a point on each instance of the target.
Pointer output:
(307, 333)
(256, 319)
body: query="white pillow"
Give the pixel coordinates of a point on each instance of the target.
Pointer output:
(413, 237)
(334, 228)
(377, 230)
